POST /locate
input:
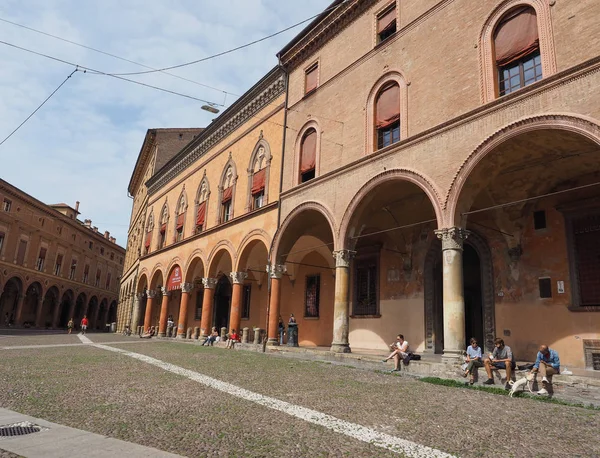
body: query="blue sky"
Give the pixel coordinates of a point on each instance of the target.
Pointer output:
(82, 145)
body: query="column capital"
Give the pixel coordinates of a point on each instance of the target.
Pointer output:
(209, 283)
(238, 277)
(139, 296)
(187, 287)
(343, 257)
(151, 293)
(276, 270)
(165, 292)
(452, 237)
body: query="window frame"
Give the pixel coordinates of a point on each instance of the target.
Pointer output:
(532, 56)
(317, 296)
(57, 265)
(226, 211)
(378, 16)
(313, 67)
(2, 238)
(6, 205)
(246, 301)
(199, 303)
(364, 257)
(258, 200)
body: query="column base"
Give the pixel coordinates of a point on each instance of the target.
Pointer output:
(452, 356)
(340, 348)
(162, 334)
(273, 343)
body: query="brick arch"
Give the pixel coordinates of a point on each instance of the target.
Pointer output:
(255, 235)
(198, 255)
(487, 64)
(224, 245)
(408, 175)
(176, 261)
(158, 269)
(19, 277)
(306, 206)
(312, 124)
(142, 280)
(585, 126)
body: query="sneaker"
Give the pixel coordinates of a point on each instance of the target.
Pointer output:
(489, 381)
(542, 392)
(545, 380)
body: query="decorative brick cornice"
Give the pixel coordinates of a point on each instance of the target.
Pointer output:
(255, 100)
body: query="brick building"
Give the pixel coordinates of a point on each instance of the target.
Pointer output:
(54, 267)
(440, 178)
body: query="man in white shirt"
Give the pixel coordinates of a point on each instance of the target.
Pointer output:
(399, 351)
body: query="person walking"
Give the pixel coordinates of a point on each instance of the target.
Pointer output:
(281, 327)
(84, 324)
(70, 325)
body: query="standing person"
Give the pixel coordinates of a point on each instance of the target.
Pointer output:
(292, 319)
(70, 325)
(170, 324)
(399, 351)
(281, 327)
(84, 324)
(502, 358)
(473, 359)
(548, 364)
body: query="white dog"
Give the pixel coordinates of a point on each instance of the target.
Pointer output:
(527, 380)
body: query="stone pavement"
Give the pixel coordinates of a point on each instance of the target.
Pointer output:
(60, 441)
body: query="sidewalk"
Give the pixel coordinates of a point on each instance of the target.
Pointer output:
(60, 441)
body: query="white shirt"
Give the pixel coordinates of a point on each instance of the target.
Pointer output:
(403, 347)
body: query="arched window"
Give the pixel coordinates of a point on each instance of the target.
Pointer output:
(258, 176)
(227, 192)
(517, 50)
(202, 204)
(387, 115)
(149, 229)
(180, 221)
(164, 218)
(308, 155)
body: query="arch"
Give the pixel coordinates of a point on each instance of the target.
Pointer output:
(150, 221)
(255, 236)
(487, 62)
(176, 261)
(194, 259)
(180, 215)
(157, 277)
(215, 256)
(398, 77)
(202, 198)
(312, 124)
(407, 175)
(306, 206)
(586, 127)
(19, 281)
(228, 180)
(260, 159)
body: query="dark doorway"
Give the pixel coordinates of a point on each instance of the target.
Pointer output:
(473, 295)
(222, 303)
(64, 312)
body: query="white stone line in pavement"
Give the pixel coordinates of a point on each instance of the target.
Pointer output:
(362, 433)
(25, 347)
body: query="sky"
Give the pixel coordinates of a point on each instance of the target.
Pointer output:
(83, 143)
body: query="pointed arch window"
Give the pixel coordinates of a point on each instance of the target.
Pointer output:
(227, 191)
(148, 239)
(258, 176)
(387, 115)
(201, 205)
(517, 50)
(308, 155)
(162, 239)
(180, 222)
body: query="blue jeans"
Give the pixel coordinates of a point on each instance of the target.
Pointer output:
(281, 332)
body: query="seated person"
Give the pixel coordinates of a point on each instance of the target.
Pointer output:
(547, 364)
(127, 331)
(473, 359)
(233, 339)
(399, 351)
(148, 333)
(211, 338)
(501, 358)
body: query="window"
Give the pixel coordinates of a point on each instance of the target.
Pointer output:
(179, 227)
(147, 242)
(163, 236)
(121, 260)
(586, 253)
(91, 245)
(112, 256)
(257, 200)
(258, 189)
(200, 217)
(387, 115)
(6, 205)
(226, 204)
(539, 220)
(86, 273)
(58, 265)
(21, 252)
(198, 310)
(366, 289)
(545, 285)
(108, 279)
(308, 155)
(102, 251)
(311, 298)
(386, 24)
(246, 302)
(39, 265)
(73, 269)
(98, 275)
(517, 50)
(2, 235)
(311, 78)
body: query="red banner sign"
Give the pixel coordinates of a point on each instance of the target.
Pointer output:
(174, 281)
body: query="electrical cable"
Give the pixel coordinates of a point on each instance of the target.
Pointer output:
(40, 106)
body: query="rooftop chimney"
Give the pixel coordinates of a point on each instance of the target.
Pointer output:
(107, 235)
(113, 240)
(77, 206)
(95, 228)
(87, 223)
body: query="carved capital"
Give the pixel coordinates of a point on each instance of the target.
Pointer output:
(209, 283)
(238, 277)
(343, 257)
(276, 271)
(165, 292)
(139, 296)
(452, 238)
(151, 293)
(187, 287)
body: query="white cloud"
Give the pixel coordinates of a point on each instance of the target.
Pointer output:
(82, 145)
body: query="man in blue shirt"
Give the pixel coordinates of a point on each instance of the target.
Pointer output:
(547, 364)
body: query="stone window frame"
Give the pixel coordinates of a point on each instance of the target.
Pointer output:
(59, 252)
(487, 61)
(306, 316)
(164, 219)
(246, 302)
(3, 230)
(149, 228)
(221, 187)
(399, 78)
(365, 255)
(252, 170)
(22, 238)
(375, 21)
(41, 267)
(316, 63)
(182, 203)
(312, 124)
(571, 211)
(199, 199)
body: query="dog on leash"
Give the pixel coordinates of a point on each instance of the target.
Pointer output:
(525, 381)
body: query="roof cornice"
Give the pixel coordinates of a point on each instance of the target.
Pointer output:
(138, 170)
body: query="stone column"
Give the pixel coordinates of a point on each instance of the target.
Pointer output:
(275, 273)
(135, 318)
(341, 305)
(454, 301)
(235, 315)
(38, 312)
(162, 321)
(186, 291)
(19, 311)
(150, 294)
(56, 314)
(207, 305)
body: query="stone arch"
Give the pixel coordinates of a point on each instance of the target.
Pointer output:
(257, 235)
(150, 221)
(176, 261)
(229, 177)
(142, 280)
(50, 308)
(408, 175)
(487, 62)
(584, 126)
(214, 258)
(398, 77)
(157, 277)
(195, 258)
(260, 159)
(312, 124)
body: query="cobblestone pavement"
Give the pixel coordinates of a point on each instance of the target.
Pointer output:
(5, 454)
(112, 394)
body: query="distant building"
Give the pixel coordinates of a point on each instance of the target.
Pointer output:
(54, 267)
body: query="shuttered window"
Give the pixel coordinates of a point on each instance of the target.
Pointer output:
(366, 285)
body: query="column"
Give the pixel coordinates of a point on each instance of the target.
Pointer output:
(275, 273)
(162, 322)
(38, 312)
(135, 319)
(19, 311)
(207, 305)
(94, 319)
(56, 314)
(72, 309)
(150, 294)
(186, 291)
(454, 301)
(235, 316)
(341, 305)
